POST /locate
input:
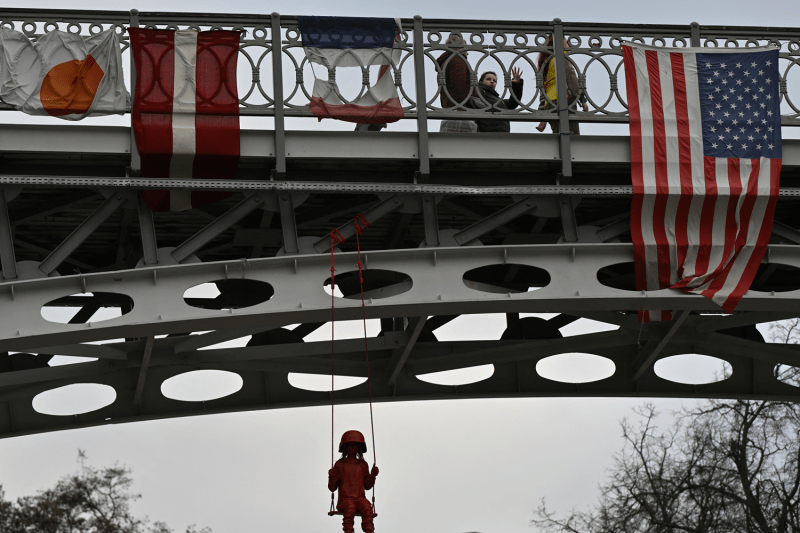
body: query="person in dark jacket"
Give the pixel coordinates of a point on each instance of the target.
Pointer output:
(491, 99)
(456, 90)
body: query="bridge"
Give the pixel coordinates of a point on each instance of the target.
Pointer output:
(459, 224)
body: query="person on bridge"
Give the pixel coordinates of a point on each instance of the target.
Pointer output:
(488, 97)
(352, 477)
(547, 67)
(456, 89)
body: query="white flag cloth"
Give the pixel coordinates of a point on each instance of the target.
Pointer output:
(62, 74)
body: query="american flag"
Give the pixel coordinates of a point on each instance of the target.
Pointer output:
(705, 131)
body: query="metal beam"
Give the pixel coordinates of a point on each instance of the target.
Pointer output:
(98, 351)
(782, 230)
(64, 202)
(136, 160)
(277, 91)
(650, 352)
(8, 259)
(148, 351)
(195, 342)
(266, 221)
(430, 219)
(82, 232)
(218, 226)
(568, 223)
(719, 344)
(147, 228)
(399, 357)
(334, 210)
(399, 227)
(562, 110)
(303, 350)
(85, 313)
(422, 100)
(743, 319)
(524, 350)
(307, 329)
(493, 221)
(288, 223)
(38, 375)
(615, 229)
(42, 250)
(374, 213)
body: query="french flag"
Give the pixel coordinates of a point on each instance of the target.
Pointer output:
(353, 42)
(186, 110)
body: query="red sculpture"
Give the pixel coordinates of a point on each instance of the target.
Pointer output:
(351, 475)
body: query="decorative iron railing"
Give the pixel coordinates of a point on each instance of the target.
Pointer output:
(593, 49)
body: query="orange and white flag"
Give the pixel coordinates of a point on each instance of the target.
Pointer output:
(62, 74)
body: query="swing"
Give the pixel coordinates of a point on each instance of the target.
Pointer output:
(337, 238)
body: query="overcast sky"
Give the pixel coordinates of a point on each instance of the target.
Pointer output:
(449, 466)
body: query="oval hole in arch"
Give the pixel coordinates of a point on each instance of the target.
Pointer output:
(201, 385)
(459, 376)
(506, 278)
(575, 367)
(693, 369)
(88, 307)
(228, 294)
(377, 284)
(322, 383)
(620, 276)
(788, 374)
(74, 399)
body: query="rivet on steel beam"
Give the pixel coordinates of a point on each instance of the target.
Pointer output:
(773, 293)
(19, 332)
(370, 301)
(577, 293)
(231, 310)
(300, 306)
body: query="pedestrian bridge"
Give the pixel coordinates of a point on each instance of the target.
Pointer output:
(460, 224)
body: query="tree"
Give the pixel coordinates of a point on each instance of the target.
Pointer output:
(724, 466)
(93, 501)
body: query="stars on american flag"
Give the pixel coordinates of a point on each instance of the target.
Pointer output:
(739, 104)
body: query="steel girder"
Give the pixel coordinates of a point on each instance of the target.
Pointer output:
(436, 285)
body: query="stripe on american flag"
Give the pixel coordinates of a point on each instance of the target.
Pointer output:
(699, 223)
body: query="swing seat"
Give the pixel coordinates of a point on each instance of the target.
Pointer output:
(334, 513)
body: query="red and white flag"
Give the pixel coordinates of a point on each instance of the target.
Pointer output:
(186, 111)
(705, 163)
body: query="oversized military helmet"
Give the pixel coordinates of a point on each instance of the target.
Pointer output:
(353, 436)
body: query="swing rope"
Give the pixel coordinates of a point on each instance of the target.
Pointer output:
(361, 224)
(336, 237)
(359, 228)
(358, 221)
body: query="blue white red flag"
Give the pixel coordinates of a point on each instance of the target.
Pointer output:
(705, 163)
(353, 42)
